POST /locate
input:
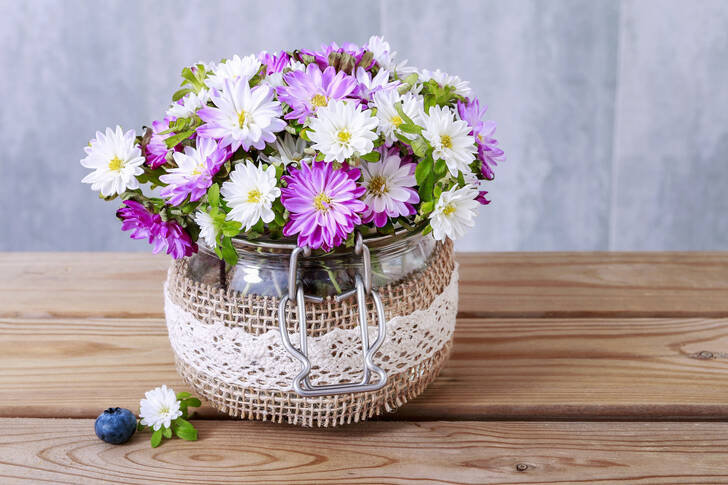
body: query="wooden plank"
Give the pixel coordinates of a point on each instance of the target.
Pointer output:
(500, 369)
(66, 451)
(589, 284)
(42, 285)
(492, 284)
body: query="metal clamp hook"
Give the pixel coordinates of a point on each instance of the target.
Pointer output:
(362, 288)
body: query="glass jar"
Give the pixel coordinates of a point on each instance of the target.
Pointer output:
(262, 267)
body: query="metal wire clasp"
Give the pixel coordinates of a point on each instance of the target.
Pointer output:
(362, 288)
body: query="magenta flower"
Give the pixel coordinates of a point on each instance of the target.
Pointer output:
(311, 89)
(323, 203)
(322, 57)
(194, 171)
(488, 151)
(162, 235)
(156, 150)
(481, 197)
(274, 62)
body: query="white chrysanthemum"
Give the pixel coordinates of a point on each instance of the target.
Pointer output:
(242, 116)
(381, 50)
(116, 160)
(444, 79)
(389, 185)
(454, 212)
(159, 408)
(288, 150)
(342, 129)
(189, 104)
(232, 70)
(389, 118)
(250, 193)
(208, 232)
(450, 139)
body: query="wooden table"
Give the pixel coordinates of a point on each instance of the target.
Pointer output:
(567, 367)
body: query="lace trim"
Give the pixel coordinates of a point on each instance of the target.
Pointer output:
(234, 356)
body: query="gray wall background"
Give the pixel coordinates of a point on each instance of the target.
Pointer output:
(613, 114)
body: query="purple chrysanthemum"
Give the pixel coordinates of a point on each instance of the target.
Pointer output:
(323, 203)
(274, 62)
(322, 57)
(194, 171)
(488, 151)
(166, 236)
(310, 89)
(156, 150)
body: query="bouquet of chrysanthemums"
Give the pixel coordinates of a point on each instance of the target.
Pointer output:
(315, 145)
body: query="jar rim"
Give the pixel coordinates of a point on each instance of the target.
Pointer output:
(373, 241)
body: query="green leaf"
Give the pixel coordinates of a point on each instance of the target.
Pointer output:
(193, 402)
(231, 228)
(156, 438)
(259, 226)
(184, 429)
(180, 93)
(175, 140)
(213, 196)
(167, 432)
(228, 252)
(409, 128)
(423, 169)
(140, 426)
(183, 395)
(425, 189)
(403, 115)
(440, 168)
(371, 157)
(411, 79)
(419, 146)
(427, 230)
(427, 207)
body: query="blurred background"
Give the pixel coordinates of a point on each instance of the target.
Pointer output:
(613, 114)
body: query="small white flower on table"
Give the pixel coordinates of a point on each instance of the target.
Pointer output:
(159, 408)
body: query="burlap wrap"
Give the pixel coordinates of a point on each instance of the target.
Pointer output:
(210, 315)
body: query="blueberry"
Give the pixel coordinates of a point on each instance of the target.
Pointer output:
(115, 425)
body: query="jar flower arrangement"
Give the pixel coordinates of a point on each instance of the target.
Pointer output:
(276, 172)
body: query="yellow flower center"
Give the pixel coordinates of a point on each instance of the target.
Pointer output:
(344, 136)
(378, 185)
(322, 202)
(164, 410)
(198, 169)
(449, 209)
(116, 164)
(446, 141)
(319, 100)
(254, 196)
(396, 121)
(241, 119)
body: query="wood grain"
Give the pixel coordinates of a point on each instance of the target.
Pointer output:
(526, 285)
(500, 369)
(594, 284)
(66, 451)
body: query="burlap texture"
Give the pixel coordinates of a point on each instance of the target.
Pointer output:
(256, 315)
(259, 314)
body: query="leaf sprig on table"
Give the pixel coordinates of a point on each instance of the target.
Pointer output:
(166, 414)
